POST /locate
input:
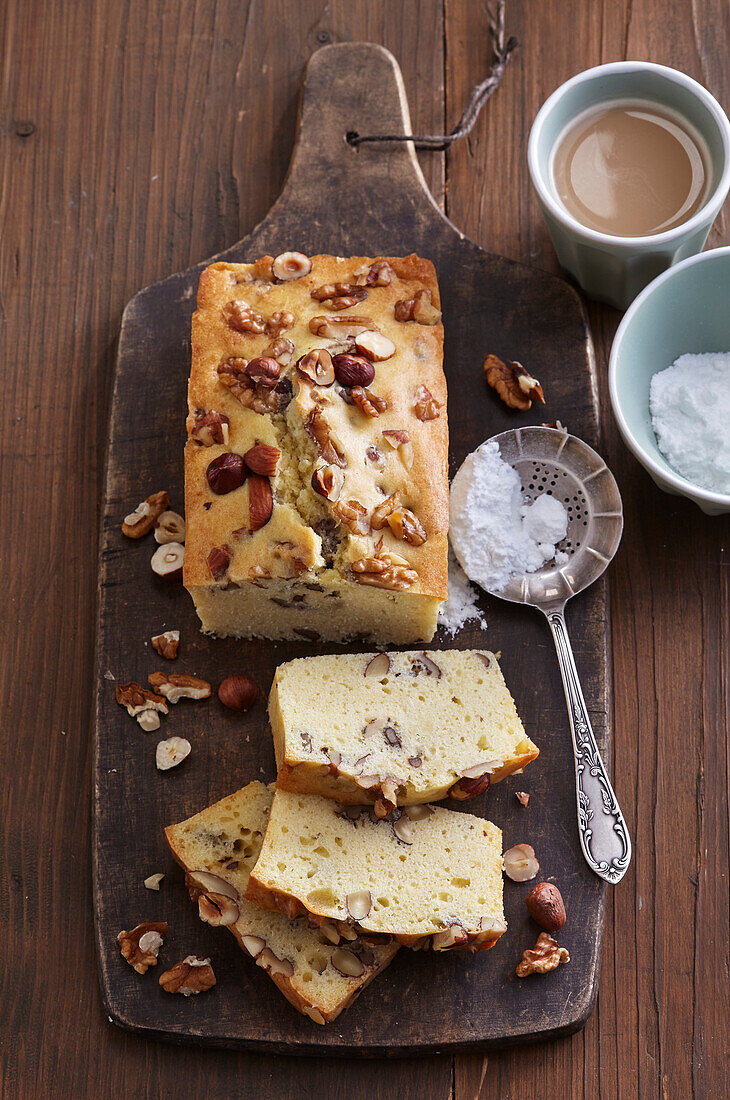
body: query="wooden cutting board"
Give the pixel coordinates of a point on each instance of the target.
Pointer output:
(372, 200)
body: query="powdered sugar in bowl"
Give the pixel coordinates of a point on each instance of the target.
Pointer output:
(683, 312)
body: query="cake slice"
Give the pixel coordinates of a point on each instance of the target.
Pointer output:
(428, 876)
(217, 848)
(417, 727)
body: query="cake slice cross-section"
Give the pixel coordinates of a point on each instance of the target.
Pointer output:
(418, 726)
(428, 876)
(319, 971)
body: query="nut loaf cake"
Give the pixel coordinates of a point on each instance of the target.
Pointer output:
(428, 876)
(416, 727)
(318, 970)
(316, 489)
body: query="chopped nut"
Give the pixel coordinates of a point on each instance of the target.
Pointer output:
(263, 394)
(172, 752)
(254, 945)
(359, 903)
(142, 704)
(290, 265)
(546, 906)
(176, 686)
(262, 459)
(379, 518)
(546, 955)
(167, 561)
(325, 326)
(167, 644)
(379, 273)
(453, 936)
(419, 308)
(263, 371)
(400, 441)
(378, 666)
(152, 882)
(368, 402)
(279, 322)
(170, 527)
(219, 559)
(375, 346)
(339, 295)
(316, 366)
(328, 481)
(384, 572)
(513, 384)
(210, 428)
(353, 515)
(281, 349)
(522, 797)
(320, 432)
(238, 692)
(424, 663)
(403, 829)
(520, 863)
(418, 812)
(347, 963)
(469, 788)
(273, 964)
(426, 406)
(142, 519)
(260, 501)
(226, 473)
(140, 946)
(218, 910)
(406, 526)
(346, 301)
(240, 317)
(192, 975)
(353, 370)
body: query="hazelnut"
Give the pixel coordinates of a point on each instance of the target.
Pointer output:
(260, 501)
(263, 370)
(167, 561)
(209, 428)
(546, 906)
(170, 527)
(328, 481)
(262, 459)
(353, 370)
(375, 346)
(226, 473)
(520, 863)
(238, 692)
(290, 265)
(171, 752)
(317, 367)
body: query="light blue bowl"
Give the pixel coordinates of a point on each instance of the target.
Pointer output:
(685, 310)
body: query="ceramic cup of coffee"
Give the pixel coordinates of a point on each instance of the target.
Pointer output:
(631, 165)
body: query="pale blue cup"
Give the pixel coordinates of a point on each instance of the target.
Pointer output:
(684, 311)
(609, 268)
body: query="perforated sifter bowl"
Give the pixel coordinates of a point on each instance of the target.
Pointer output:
(551, 461)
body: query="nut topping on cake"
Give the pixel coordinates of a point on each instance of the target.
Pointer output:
(266, 395)
(263, 370)
(319, 430)
(407, 527)
(368, 402)
(167, 644)
(238, 692)
(219, 559)
(426, 406)
(418, 308)
(353, 370)
(317, 367)
(328, 481)
(326, 326)
(400, 441)
(191, 975)
(339, 296)
(281, 349)
(545, 956)
(209, 428)
(353, 515)
(290, 265)
(140, 946)
(260, 501)
(170, 527)
(262, 459)
(384, 571)
(142, 519)
(279, 322)
(226, 473)
(379, 518)
(241, 318)
(375, 346)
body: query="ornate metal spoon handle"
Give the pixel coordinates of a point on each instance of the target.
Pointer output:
(604, 837)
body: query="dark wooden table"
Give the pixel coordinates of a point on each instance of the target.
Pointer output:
(137, 137)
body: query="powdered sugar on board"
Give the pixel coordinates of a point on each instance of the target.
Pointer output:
(494, 534)
(461, 606)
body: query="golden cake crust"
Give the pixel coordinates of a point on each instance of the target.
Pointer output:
(288, 546)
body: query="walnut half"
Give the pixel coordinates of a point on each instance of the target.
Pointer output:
(546, 955)
(140, 946)
(515, 386)
(191, 975)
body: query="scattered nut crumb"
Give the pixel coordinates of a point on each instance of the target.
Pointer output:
(172, 752)
(522, 797)
(515, 386)
(520, 863)
(153, 881)
(109, 675)
(140, 946)
(141, 521)
(546, 955)
(191, 975)
(175, 686)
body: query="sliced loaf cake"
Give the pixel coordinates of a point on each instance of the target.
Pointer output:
(319, 970)
(426, 875)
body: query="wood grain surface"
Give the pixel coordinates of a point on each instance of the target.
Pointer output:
(137, 138)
